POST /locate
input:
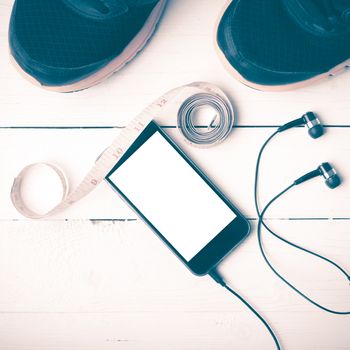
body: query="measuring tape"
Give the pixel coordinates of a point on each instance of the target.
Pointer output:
(193, 96)
(213, 134)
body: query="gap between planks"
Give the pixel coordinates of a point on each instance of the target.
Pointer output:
(162, 126)
(97, 220)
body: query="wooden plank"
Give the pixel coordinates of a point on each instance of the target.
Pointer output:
(82, 266)
(181, 52)
(230, 165)
(190, 331)
(68, 285)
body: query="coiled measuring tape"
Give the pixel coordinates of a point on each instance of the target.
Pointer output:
(214, 133)
(190, 97)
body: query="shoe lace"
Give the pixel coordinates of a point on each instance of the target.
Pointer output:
(321, 17)
(337, 11)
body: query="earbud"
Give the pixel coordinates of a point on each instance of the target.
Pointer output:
(330, 175)
(315, 128)
(332, 179)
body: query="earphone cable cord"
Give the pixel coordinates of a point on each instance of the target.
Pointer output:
(306, 250)
(261, 217)
(257, 170)
(261, 222)
(214, 274)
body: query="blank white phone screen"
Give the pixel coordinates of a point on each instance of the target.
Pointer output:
(172, 196)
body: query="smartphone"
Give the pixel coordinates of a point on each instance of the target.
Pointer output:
(178, 201)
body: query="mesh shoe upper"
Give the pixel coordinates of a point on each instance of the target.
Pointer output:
(61, 41)
(267, 45)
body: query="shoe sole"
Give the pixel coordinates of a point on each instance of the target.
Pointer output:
(285, 87)
(133, 48)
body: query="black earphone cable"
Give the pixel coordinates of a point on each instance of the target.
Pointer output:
(214, 274)
(262, 223)
(257, 170)
(306, 250)
(261, 217)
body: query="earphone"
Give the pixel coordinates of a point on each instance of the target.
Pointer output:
(309, 119)
(332, 180)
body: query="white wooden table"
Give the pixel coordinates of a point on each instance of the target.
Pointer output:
(95, 278)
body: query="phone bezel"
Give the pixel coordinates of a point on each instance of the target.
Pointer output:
(222, 244)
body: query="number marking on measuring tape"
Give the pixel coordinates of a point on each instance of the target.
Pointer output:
(193, 95)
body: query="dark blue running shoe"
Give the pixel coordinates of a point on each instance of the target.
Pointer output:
(69, 45)
(284, 44)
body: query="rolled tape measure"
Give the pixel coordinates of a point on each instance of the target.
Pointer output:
(192, 96)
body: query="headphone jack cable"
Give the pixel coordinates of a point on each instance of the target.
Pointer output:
(215, 275)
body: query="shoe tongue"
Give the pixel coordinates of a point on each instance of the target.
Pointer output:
(321, 17)
(99, 9)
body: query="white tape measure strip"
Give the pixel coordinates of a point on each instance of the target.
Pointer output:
(107, 160)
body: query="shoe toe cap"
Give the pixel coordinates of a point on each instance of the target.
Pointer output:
(57, 46)
(263, 44)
